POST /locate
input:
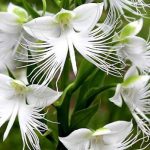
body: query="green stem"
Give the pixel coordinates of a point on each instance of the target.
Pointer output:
(44, 7)
(63, 110)
(64, 80)
(30, 10)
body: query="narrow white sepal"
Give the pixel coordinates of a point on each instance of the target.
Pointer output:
(11, 121)
(72, 56)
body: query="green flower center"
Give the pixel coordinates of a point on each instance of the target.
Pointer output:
(21, 13)
(18, 86)
(64, 17)
(101, 131)
(131, 80)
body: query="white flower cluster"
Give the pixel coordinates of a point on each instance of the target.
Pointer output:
(49, 40)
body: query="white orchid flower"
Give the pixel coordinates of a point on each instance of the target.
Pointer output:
(120, 7)
(26, 102)
(67, 31)
(113, 136)
(10, 33)
(135, 91)
(134, 48)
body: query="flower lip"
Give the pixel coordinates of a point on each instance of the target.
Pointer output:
(18, 86)
(101, 131)
(64, 17)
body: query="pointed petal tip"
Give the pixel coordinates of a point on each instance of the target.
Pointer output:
(59, 94)
(75, 72)
(115, 101)
(4, 137)
(60, 138)
(10, 6)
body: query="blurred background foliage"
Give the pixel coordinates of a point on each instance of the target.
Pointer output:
(103, 110)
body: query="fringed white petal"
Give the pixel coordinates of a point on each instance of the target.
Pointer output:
(137, 99)
(95, 47)
(51, 54)
(118, 138)
(114, 136)
(134, 50)
(142, 121)
(49, 57)
(141, 110)
(13, 103)
(30, 120)
(129, 141)
(121, 136)
(118, 7)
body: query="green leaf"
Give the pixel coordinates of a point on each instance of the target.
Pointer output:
(131, 29)
(54, 5)
(63, 103)
(94, 82)
(62, 106)
(64, 78)
(131, 80)
(80, 119)
(85, 69)
(30, 10)
(78, 2)
(10, 73)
